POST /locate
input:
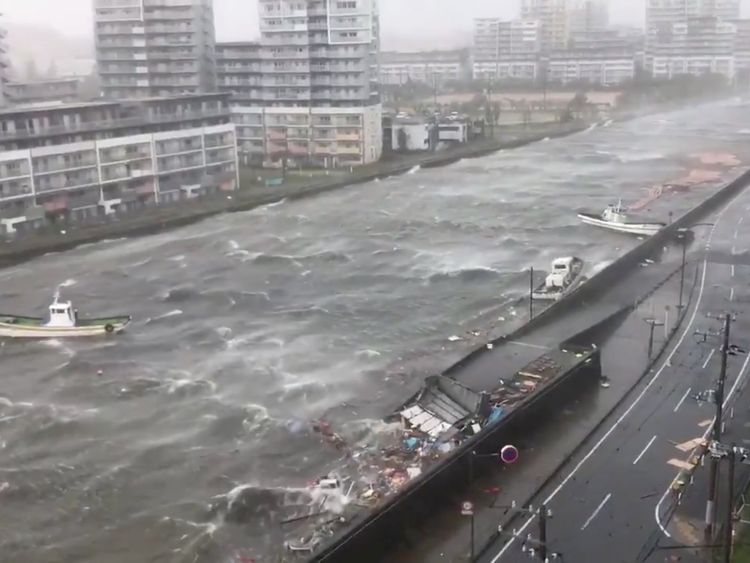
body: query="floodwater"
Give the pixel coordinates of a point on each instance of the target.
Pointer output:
(186, 438)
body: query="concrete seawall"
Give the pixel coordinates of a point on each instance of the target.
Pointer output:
(154, 220)
(387, 521)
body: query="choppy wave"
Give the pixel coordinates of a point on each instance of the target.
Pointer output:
(466, 275)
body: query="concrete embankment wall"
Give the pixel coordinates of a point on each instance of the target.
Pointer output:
(153, 220)
(598, 285)
(374, 534)
(370, 537)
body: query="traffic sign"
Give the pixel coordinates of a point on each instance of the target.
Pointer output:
(509, 454)
(467, 508)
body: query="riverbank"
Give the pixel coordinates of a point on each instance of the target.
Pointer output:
(156, 219)
(253, 194)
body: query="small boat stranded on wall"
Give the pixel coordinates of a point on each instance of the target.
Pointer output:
(615, 218)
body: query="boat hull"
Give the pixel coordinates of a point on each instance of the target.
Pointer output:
(11, 330)
(645, 229)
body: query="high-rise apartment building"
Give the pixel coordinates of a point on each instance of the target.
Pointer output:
(320, 52)
(662, 14)
(309, 94)
(148, 48)
(239, 72)
(506, 49)
(553, 17)
(700, 45)
(587, 16)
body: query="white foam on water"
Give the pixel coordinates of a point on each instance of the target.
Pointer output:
(641, 156)
(368, 354)
(173, 313)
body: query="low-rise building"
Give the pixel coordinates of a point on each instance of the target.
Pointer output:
(79, 181)
(24, 127)
(327, 137)
(428, 67)
(595, 66)
(519, 67)
(42, 91)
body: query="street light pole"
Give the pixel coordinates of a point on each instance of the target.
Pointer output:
(543, 532)
(719, 397)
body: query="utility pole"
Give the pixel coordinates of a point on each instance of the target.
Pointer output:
(683, 237)
(531, 293)
(533, 547)
(730, 509)
(716, 436)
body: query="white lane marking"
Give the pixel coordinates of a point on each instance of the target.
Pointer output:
(731, 294)
(709, 426)
(598, 508)
(528, 345)
(679, 404)
(740, 221)
(643, 451)
(735, 233)
(732, 270)
(734, 250)
(710, 355)
(623, 416)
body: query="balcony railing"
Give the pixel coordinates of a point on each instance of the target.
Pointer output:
(89, 126)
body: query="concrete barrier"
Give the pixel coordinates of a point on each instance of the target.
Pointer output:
(600, 283)
(373, 534)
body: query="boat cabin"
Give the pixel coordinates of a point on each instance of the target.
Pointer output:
(614, 214)
(61, 314)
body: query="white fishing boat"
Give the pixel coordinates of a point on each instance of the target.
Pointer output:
(63, 322)
(564, 278)
(615, 218)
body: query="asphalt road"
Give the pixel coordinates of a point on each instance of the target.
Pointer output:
(613, 501)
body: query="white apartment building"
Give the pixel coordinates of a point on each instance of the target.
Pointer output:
(518, 68)
(553, 17)
(4, 65)
(596, 67)
(239, 74)
(698, 46)
(428, 67)
(327, 137)
(319, 85)
(506, 49)
(319, 52)
(586, 16)
(742, 47)
(62, 90)
(662, 15)
(148, 48)
(78, 181)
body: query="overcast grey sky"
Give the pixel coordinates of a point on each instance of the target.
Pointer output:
(236, 19)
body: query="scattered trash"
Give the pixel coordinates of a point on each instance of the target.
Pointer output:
(454, 338)
(413, 472)
(490, 346)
